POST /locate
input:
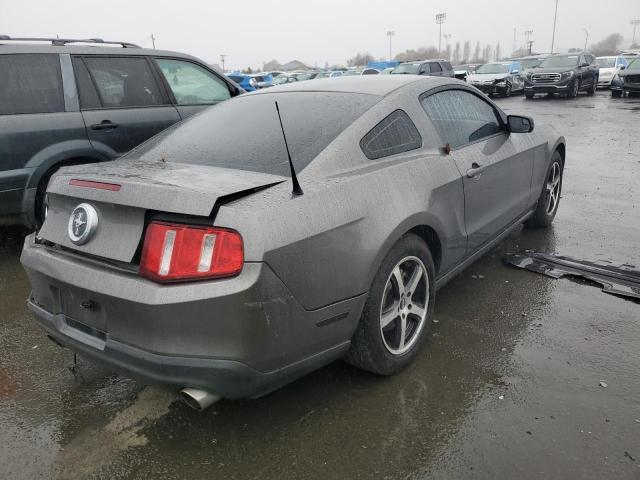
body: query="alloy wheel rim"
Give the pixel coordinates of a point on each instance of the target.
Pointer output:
(403, 310)
(553, 188)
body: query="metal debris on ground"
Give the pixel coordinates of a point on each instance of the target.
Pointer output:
(623, 280)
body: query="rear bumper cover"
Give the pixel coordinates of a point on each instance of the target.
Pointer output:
(239, 338)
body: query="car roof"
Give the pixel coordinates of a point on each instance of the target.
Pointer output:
(76, 49)
(381, 85)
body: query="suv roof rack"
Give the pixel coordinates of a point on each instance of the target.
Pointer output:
(59, 42)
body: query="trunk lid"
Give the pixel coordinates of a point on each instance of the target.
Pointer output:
(136, 187)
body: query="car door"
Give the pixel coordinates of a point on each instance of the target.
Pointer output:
(121, 101)
(192, 86)
(496, 170)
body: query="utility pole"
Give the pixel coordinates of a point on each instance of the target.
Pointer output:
(390, 34)
(440, 18)
(446, 37)
(586, 39)
(514, 41)
(635, 24)
(222, 57)
(553, 35)
(528, 34)
(153, 41)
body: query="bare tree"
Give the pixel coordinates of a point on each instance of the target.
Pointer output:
(477, 58)
(498, 52)
(609, 46)
(360, 59)
(486, 53)
(447, 52)
(456, 54)
(421, 53)
(466, 52)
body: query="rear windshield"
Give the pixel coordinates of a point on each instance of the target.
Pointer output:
(244, 133)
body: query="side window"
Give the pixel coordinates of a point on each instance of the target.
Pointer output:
(395, 134)
(582, 60)
(124, 81)
(191, 84)
(89, 98)
(424, 68)
(447, 66)
(435, 67)
(461, 117)
(30, 83)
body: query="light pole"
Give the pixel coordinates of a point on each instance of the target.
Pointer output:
(528, 34)
(440, 18)
(586, 39)
(514, 41)
(553, 35)
(635, 24)
(390, 34)
(447, 36)
(222, 57)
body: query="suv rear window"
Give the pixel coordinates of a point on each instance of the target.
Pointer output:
(30, 83)
(395, 134)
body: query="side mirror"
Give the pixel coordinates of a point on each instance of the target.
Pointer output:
(622, 67)
(515, 71)
(518, 124)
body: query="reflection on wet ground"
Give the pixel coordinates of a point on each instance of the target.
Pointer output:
(508, 383)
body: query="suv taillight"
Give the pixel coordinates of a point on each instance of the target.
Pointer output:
(174, 252)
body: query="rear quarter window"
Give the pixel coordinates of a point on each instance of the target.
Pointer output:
(395, 134)
(30, 83)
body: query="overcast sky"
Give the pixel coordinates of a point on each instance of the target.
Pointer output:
(316, 31)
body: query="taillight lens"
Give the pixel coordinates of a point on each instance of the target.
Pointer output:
(174, 252)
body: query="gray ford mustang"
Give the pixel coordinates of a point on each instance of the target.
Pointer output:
(211, 261)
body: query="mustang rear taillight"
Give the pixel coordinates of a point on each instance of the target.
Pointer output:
(174, 252)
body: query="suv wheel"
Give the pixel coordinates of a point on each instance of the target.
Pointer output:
(397, 311)
(528, 95)
(507, 90)
(575, 87)
(616, 93)
(592, 89)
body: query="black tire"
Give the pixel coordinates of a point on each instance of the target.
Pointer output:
(544, 215)
(40, 203)
(369, 350)
(528, 95)
(507, 91)
(593, 88)
(575, 88)
(616, 93)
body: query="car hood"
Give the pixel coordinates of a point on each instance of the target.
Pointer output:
(624, 73)
(124, 191)
(486, 77)
(533, 71)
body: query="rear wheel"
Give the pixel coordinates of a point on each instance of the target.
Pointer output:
(397, 310)
(593, 88)
(550, 197)
(616, 93)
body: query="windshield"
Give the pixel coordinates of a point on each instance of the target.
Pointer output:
(634, 65)
(561, 61)
(530, 63)
(218, 136)
(493, 68)
(351, 72)
(407, 68)
(606, 62)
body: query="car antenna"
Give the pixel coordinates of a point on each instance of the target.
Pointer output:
(296, 186)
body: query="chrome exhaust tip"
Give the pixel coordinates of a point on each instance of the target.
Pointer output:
(198, 399)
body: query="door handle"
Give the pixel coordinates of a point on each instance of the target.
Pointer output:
(475, 170)
(104, 125)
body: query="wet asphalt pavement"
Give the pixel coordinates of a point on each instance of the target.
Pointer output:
(507, 385)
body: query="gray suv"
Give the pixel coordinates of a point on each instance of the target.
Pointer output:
(434, 68)
(65, 102)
